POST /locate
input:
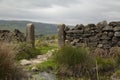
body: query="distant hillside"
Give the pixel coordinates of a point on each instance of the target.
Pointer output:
(40, 28)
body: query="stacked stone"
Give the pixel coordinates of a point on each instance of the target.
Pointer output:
(8, 36)
(90, 33)
(102, 35)
(4, 35)
(74, 36)
(116, 37)
(106, 37)
(18, 36)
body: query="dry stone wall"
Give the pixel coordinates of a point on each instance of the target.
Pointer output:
(102, 35)
(16, 35)
(8, 36)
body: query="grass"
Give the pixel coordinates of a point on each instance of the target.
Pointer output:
(78, 63)
(6, 60)
(25, 51)
(8, 68)
(45, 49)
(48, 65)
(46, 43)
(72, 56)
(72, 78)
(74, 62)
(116, 74)
(106, 67)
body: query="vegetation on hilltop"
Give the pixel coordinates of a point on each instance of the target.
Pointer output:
(40, 28)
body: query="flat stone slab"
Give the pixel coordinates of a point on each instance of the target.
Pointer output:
(25, 62)
(74, 31)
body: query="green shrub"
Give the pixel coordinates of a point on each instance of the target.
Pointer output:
(74, 61)
(25, 51)
(106, 65)
(117, 74)
(117, 56)
(72, 56)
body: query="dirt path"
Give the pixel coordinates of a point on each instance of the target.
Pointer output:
(33, 62)
(39, 59)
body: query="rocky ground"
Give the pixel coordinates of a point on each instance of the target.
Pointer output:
(37, 60)
(33, 62)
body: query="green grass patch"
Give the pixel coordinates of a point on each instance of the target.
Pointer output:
(74, 61)
(47, 65)
(71, 56)
(25, 51)
(45, 49)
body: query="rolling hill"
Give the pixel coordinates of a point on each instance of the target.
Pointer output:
(40, 28)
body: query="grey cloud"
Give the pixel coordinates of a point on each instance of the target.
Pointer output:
(61, 11)
(38, 3)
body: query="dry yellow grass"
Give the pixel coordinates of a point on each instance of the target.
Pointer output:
(8, 69)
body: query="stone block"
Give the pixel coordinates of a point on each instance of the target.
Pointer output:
(108, 28)
(114, 24)
(117, 34)
(79, 27)
(102, 24)
(30, 34)
(117, 28)
(61, 35)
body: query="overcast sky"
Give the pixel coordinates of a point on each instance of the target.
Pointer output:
(61, 11)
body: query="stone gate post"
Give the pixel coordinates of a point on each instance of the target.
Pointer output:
(61, 35)
(30, 34)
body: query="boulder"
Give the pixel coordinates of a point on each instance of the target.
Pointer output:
(74, 31)
(93, 39)
(25, 62)
(79, 27)
(86, 35)
(118, 43)
(66, 28)
(105, 41)
(92, 26)
(99, 35)
(115, 40)
(76, 40)
(105, 37)
(86, 29)
(72, 43)
(117, 28)
(34, 69)
(100, 45)
(110, 34)
(92, 44)
(117, 34)
(106, 46)
(114, 24)
(80, 44)
(102, 24)
(67, 37)
(108, 28)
